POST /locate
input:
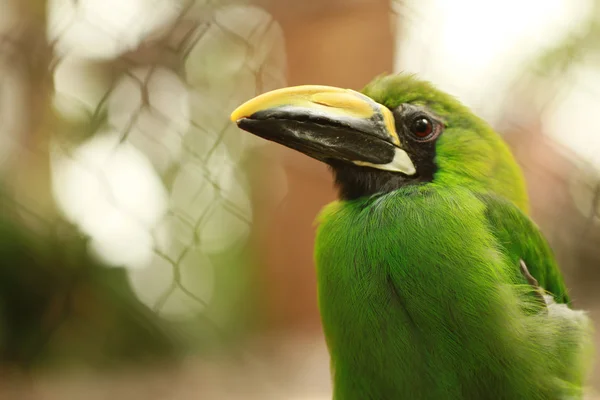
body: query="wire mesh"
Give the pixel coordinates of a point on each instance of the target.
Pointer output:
(116, 140)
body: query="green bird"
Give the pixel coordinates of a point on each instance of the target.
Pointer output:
(433, 281)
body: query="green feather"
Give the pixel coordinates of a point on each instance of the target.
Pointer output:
(420, 290)
(519, 238)
(419, 301)
(433, 281)
(470, 153)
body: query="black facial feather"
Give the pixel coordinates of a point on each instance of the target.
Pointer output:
(356, 181)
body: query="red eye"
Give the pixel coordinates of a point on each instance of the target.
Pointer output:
(422, 127)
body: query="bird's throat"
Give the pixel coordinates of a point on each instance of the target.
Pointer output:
(354, 181)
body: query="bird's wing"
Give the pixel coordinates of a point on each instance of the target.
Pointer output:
(521, 239)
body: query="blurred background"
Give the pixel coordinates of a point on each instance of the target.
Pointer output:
(151, 250)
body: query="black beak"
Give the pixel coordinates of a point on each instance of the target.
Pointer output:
(327, 123)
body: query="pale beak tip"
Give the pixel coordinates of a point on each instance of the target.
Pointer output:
(239, 113)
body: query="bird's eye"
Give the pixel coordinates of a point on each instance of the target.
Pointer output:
(422, 127)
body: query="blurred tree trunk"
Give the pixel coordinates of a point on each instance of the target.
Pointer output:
(339, 43)
(27, 61)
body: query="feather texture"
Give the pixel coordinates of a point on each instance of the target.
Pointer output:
(421, 298)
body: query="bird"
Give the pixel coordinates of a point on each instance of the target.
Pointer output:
(433, 281)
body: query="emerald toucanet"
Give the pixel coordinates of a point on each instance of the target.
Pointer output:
(433, 282)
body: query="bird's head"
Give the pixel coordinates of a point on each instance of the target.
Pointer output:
(399, 131)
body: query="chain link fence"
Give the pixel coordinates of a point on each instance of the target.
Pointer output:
(125, 193)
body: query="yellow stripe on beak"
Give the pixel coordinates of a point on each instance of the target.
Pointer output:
(390, 124)
(330, 99)
(327, 123)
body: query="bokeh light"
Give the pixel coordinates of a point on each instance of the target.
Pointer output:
(151, 107)
(109, 189)
(105, 28)
(474, 49)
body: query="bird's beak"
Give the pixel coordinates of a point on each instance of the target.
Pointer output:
(327, 123)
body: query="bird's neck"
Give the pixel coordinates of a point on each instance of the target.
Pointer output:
(354, 182)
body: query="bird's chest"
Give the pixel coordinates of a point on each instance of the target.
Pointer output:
(384, 302)
(413, 261)
(397, 287)
(384, 337)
